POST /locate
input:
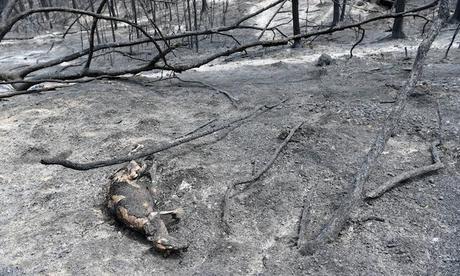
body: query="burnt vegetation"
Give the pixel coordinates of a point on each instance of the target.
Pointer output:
(113, 28)
(118, 40)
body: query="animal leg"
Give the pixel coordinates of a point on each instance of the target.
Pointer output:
(155, 227)
(158, 234)
(176, 214)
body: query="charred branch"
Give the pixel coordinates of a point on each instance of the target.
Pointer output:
(331, 229)
(399, 179)
(154, 63)
(161, 147)
(230, 188)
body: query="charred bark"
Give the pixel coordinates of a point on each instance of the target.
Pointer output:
(456, 16)
(295, 22)
(355, 196)
(397, 31)
(336, 13)
(344, 8)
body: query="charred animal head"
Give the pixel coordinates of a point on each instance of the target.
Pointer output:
(132, 171)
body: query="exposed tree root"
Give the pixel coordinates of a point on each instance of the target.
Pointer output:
(397, 180)
(160, 147)
(275, 155)
(331, 229)
(229, 96)
(198, 128)
(230, 187)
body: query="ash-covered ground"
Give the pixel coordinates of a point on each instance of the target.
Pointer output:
(54, 220)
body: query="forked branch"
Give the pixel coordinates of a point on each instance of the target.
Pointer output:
(331, 229)
(158, 148)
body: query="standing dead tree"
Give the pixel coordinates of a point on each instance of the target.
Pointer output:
(355, 195)
(91, 36)
(397, 31)
(456, 16)
(22, 81)
(335, 12)
(17, 76)
(295, 22)
(343, 10)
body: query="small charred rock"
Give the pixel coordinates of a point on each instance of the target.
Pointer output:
(324, 60)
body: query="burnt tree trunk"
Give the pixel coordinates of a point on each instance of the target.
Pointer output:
(111, 7)
(44, 4)
(204, 7)
(295, 22)
(134, 8)
(336, 13)
(189, 22)
(6, 8)
(21, 6)
(397, 31)
(204, 13)
(354, 197)
(456, 16)
(195, 23)
(2, 5)
(342, 12)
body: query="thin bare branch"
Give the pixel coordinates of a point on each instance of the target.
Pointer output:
(160, 147)
(230, 187)
(399, 179)
(228, 95)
